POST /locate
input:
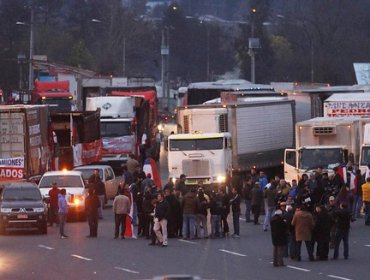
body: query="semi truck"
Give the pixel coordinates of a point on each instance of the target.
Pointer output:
(54, 93)
(255, 134)
(117, 127)
(323, 142)
(24, 142)
(76, 138)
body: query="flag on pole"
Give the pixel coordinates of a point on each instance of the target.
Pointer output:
(342, 171)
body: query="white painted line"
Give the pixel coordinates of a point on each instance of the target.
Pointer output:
(367, 245)
(126, 269)
(232, 253)
(338, 277)
(187, 241)
(298, 268)
(81, 258)
(242, 219)
(45, 247)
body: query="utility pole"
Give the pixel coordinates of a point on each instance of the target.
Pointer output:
(253, 43)
(165, 51)
(124, 58)
(30, 75)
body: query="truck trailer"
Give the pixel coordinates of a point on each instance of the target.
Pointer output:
(256, 133)
(24, 142)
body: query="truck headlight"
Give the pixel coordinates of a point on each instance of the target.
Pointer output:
(221, 179)
(5, 210)
(38, 210)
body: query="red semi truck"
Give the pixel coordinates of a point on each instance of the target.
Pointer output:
(54, 93)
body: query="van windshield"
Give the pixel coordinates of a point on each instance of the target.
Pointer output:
(63, 181)
(21, 194)
(115, 129)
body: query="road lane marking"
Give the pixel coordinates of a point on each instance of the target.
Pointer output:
(232, 253)
(242, 219)
(187, 241)
(338, 277)
(126, 270)
(367, 245)
(45, 247)
(298, 268)
(81, 258)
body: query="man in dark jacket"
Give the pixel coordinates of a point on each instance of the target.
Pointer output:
(279, 237)
(189, 206)
(235, 208)
(342, 221)
(257, 198)
(53, 204)
(321, 232)
(92, 204)
(160, 219)
(99, 189)
(247, 193)
(215, 209)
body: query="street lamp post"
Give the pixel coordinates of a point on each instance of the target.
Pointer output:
(30, 74)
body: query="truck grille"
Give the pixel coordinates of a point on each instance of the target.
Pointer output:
(324, 130)
(186, 124)
(196, 168)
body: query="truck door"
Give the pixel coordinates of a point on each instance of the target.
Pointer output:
(290, 165)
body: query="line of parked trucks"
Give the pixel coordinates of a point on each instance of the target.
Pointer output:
(36, 138)
(221, 139)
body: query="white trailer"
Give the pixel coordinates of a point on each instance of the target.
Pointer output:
(349, 104)
(259, 131)
(117, 121)
(323, 142)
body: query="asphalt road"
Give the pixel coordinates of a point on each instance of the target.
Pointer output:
(29, 255)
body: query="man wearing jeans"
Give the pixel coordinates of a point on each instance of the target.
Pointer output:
(121, 207)
(62, 212)
(343, 222)
(270, 196)
(247, 193)
(189, 203)
(235, 207)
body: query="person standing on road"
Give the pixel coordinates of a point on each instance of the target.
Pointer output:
(62, 212)
(342, 219)
(190, 204)
(160, 219)
(99, 188)
(53, 204)
(121, 207)
(181, 185)
(279, 237)
(247, 193)
(257, 198)
(132, 163)
(270, 196)
(303, 223)
(235, 208)
(92, 206)
(366, 199)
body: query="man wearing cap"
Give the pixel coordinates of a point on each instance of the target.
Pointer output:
(53, 204)
(279, 237)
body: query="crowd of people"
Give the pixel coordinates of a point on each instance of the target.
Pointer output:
(318, 209)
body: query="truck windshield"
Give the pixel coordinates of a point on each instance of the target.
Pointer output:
(86, 173)
(365, 156)
(325, 158)
(12, 194)
(196, 144)
(58, 104)
(115, 129)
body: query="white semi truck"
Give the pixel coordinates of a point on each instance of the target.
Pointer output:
(323, 142)
(117, 122)
(253, 134)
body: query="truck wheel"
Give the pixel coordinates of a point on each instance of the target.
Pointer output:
(44, 228)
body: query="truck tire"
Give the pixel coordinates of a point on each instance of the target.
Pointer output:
(44, 228)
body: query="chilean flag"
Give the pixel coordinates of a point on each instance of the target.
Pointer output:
(129, 230)
(342, 171)
(151, 167)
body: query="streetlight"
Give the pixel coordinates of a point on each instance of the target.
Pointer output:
(30, 68)
(253, 44)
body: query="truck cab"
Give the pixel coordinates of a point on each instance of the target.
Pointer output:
(323, 142)
(201, 157)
